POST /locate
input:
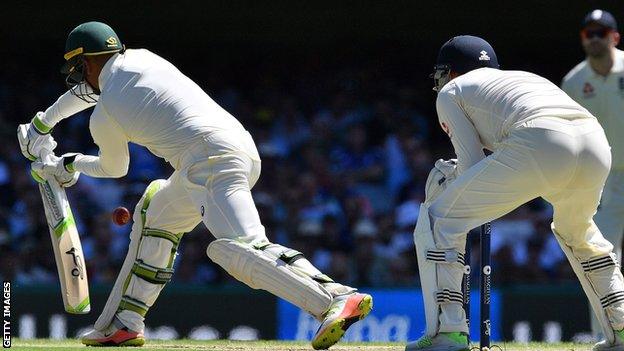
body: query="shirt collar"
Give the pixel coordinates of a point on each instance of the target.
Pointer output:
(109, 68)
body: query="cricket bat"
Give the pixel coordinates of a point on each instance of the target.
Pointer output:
(66, 244)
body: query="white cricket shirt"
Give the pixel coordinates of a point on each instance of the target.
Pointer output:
(479, 109)
(604, 98)
(146, 100)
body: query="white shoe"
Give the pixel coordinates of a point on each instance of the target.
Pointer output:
(441, 342)
(618, 345)
(342, 313)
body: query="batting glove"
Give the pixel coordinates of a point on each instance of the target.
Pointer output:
(35, 136)
(60, 168)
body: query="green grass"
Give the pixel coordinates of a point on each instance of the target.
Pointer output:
(226, 345)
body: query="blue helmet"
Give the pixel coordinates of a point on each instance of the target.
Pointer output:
(462, 54)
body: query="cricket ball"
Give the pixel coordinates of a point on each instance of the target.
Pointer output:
(121, 216)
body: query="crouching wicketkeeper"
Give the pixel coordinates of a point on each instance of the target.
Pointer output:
(543, 145)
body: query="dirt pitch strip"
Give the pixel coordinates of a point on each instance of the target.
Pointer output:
(226, 345)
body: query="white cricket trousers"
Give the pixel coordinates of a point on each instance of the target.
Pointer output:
(610, 216)
(610, 221)
(564, 161)
(215, 188)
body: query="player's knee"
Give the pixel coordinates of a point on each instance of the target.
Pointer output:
(140, 210)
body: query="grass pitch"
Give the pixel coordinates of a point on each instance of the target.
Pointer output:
(227, 345)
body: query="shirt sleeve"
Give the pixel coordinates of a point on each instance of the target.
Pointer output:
(567, 88)
(67, 105)
(463, 134)
(113, 158)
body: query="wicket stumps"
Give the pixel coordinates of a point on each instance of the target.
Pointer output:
(485, 285)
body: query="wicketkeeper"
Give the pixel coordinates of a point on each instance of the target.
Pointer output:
(543, 145)
(139, 97)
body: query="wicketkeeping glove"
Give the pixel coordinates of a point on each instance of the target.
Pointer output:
(441, 175)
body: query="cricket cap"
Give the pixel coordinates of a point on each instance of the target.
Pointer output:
(600, 17)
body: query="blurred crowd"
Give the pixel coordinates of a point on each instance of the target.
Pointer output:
(345, 154)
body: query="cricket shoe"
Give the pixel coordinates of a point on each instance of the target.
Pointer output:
(441, 342)
(618, 345)
(113, 336)
(342, 313)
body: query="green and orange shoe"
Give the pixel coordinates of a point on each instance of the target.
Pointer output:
(441, 342)
(342, 313)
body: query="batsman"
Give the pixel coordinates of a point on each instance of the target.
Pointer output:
(543, 144)
(140, 97)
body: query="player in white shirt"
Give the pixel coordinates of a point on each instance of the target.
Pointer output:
(543, 144)
(139, 97)
(597, 84)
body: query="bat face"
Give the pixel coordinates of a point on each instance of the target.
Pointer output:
(66, 245)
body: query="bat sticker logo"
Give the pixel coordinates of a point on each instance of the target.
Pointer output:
(77, 271)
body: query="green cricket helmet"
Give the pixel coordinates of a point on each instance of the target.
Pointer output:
(88, 39)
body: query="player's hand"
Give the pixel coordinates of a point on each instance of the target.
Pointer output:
(35, 136)
(59, 167)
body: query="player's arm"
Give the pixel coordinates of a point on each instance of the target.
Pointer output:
(460, 129)
(67, 105)
(113, 158)
(35, 136)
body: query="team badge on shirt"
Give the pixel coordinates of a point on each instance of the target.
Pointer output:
(588, 90)
(621, 85)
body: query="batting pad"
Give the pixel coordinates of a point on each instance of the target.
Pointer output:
(261, 270)
(441, 272)
(154, 252)
(602, 282)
